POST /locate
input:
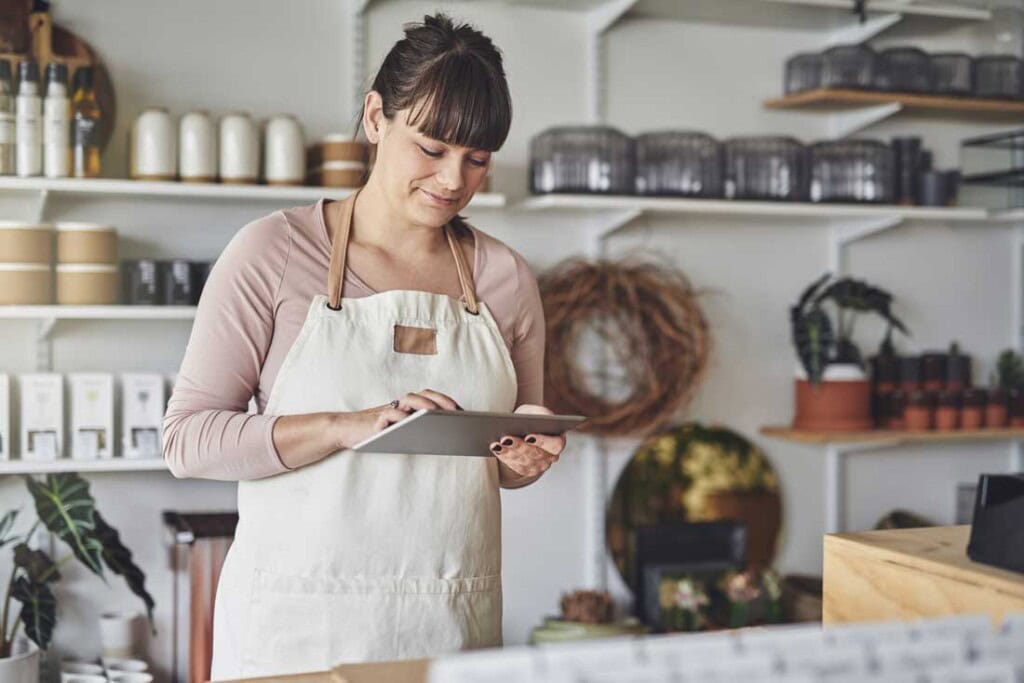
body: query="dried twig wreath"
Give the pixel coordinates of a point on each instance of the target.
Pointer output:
(648, 319)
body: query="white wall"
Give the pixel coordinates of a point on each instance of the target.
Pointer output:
(268, 57)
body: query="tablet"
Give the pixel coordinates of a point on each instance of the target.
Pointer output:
(461, 432)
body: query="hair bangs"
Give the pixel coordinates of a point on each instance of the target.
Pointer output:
(462, 102)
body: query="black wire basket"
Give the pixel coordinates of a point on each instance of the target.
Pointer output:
(682, 164)
(999, 76)
(803, 72)
(582, 159)
(852, 171)
(766, 168)
(848, 66)
(954, 73)
(904, 69)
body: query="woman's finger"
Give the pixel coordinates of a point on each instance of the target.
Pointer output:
(551, 444)
(389, 416)
(446, 402)
(531, 409)
(414, 401)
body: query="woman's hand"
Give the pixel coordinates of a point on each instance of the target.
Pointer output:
(522, 461)
(352, 428)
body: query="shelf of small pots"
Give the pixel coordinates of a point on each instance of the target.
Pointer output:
(833, 392)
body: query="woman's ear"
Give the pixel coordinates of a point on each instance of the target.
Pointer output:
(373, 116)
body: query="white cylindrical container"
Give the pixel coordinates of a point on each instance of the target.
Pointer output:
(28, 121)
(116, 634)
(26, 283)
(197, 148)
(239, 149)
(87, 284)
(26, 242)
(154, 142)
(284, 151)
(124, 665)
(56, 123)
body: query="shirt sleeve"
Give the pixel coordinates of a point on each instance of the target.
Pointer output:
(207, 432)
(528, 337)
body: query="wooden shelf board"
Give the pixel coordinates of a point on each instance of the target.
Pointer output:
(69, 465)
(885, 436)
(827, 98)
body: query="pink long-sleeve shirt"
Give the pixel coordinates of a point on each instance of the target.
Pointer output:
(250, 313)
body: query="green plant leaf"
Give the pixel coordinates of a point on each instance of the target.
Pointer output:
(814, 340)
(38, 610)
(119, 559)
(809, 293)
(36, 564)
(1010, 370)
(6, 524)
(66, 508)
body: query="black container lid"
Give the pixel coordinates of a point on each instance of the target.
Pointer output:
(975, 397)
(933, 365)
(57, 73)
(910, 368)
(5, 70)
(28, 70)
(83, 77)
(958, 368)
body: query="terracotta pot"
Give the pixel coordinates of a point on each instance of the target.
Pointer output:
(843, 405)
(761, 512)
(996, 413)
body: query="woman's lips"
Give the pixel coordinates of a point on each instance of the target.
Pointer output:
(437, 199)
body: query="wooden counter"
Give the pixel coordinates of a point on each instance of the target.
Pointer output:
(913, 573)
(411, 671)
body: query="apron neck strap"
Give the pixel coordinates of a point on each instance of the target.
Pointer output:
(339, 255)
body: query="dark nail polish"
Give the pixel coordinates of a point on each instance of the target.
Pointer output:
(496, 448)
(531, 439)
(507, 442)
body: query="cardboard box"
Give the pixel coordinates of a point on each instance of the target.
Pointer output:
(5, 416)
(142, 414)
(42, 416)
(92, 415)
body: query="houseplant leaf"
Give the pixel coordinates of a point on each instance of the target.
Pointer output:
(1010, 370)
(6, 524)
(36, 564)
(814, 339)
(66, 508)
(38, 610)
(809, 293)
(119, 559)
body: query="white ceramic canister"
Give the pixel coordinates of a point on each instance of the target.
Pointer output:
(284, 151)
(239, 145)
(154, 141)
(197, 148)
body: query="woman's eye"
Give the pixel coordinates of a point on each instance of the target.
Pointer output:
(478, 163)
(430, 153)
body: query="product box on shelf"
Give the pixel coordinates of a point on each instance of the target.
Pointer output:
(142, 412)
(5, 417)
(42, 416)
(92, 415)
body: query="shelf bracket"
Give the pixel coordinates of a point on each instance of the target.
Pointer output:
(835, 479)
(842, 124)
(41, 204)
(44, 345)
(843, 234)
(601, 226)
(860, 32)
(598, 21)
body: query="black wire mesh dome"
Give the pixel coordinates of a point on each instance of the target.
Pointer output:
(954, 73)
(904, 69)
(766, 167)
(848, 66)
(999, 76)
(803, 72)
(582, 159)
(852, 171)
(679, 163)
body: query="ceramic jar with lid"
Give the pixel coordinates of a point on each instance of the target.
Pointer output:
(947, 411)
(87, 284)
(995, 409)
(79, 242)
(154, 146)
(919, 413)
(26, 242)
(972, 414)
(197, 148)
(239, 149)
(26, 283)
(284, 151)
(895, 406)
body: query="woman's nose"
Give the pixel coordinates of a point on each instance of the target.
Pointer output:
(450, 175)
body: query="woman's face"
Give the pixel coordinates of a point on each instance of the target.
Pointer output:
(431, 181)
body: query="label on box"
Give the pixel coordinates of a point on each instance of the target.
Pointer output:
(142, 413)
(92, 415)
(42, 416)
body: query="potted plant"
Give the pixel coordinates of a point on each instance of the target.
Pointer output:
(66, 509)
(832, 389)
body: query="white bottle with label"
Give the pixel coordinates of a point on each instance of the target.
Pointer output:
(28, 121)
(56, 123)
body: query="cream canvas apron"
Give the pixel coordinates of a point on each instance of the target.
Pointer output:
(370, 557)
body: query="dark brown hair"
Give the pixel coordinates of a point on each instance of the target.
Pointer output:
(451, 77)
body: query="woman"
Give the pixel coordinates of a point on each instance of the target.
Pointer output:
(338, 556)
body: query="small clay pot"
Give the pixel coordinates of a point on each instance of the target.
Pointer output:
(947, 411)
(833, 405)
(1016, 407)
(972, 415)
(896, 404)
(933, 371)
(996, 413)
(910, 373)
(919, 413)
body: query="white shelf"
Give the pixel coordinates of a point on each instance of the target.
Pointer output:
(68, 465)
(97, 312)
(731, 207)
(139, 188)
